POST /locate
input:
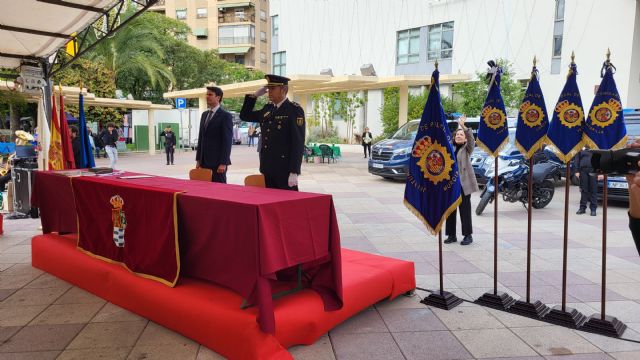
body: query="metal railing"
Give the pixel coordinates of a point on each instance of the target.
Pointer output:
(236, 40)
(231, 18)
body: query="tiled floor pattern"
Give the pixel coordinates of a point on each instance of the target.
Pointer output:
(42, 317)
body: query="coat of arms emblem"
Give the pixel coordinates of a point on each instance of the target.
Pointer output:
(118, 219)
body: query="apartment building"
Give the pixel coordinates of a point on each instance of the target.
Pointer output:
(239, 30)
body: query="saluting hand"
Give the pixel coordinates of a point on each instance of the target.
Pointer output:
(260, 92)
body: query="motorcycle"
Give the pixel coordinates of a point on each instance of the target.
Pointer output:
(513, 179)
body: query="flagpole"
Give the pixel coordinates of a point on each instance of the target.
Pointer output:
(440, 261)
(604, 245)
(495, 226)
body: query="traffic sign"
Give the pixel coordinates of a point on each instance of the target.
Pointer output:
(181, 103)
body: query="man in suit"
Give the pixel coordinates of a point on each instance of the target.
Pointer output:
(282, 133)
(169, 143)
(215, 137)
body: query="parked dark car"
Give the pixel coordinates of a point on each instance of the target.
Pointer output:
(618, 188)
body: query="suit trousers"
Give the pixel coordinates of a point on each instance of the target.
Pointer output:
(219, 177)
(465, 218)
(588, 190)
(169, 150)
(278, 182)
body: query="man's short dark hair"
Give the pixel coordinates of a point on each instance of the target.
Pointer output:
(74, 129)
(216, 90)
(111, 124)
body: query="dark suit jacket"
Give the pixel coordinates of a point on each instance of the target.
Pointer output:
(169, 138)
(215, 139)
(282, 134)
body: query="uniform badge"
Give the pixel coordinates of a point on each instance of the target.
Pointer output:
(300, 121)
(267, 114)
(118, 219)
(493, 117)
(605, 113)
(570, 115)
(435, 162)
(532, 114)
(279, 127)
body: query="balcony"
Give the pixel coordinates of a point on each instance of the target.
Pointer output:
(236, 40)
(233, 18)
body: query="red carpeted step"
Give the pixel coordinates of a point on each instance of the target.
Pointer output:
(211, 314)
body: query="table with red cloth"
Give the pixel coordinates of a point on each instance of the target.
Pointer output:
(243, 238)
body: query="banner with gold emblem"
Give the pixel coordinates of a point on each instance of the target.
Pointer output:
(432, 190)
(493, 131)
(565, 130)
(604, 127)
(533, 121)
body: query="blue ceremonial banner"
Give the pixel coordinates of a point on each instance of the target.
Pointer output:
(533, 121)
(432, 190)
(604, 127)
(493, 132)
(565, 130)
(87, 152)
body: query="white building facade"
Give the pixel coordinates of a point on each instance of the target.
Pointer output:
(405, 37)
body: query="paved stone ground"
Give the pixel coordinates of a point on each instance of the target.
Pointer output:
(42, 317)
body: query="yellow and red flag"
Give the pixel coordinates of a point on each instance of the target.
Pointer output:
(55, 143)
(65, 137)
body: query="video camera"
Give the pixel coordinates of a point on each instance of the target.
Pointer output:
(615, 162)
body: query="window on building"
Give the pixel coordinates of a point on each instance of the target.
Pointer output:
(238, 59)
(440, 41)
(408, 46)
(263, 36)
(280, 63)
(558, 30)
(263, 57)
(275, 25)
(181, 14)
(201, 13)
(236, 34)
(263, 15)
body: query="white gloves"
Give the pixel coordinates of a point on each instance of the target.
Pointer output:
(260, 92)
(293, 180)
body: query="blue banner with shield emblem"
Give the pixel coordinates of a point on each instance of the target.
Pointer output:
(432, 190)
(493, 131)
(533, 121)
(565, 130)
(604, 127)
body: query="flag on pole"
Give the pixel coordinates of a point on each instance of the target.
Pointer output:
(493, 131)
(65, 136)
(432, 190)
(44, 136)
(604, 127)
(87, 153)
(565, 129)
(55, 142)
(533, 121)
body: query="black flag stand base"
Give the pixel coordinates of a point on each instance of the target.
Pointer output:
(610, 326)
(444, 300)
(569, 317)
(535, 309)
(497, 300)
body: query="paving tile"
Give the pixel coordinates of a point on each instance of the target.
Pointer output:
(546, 294)
(76, 295)
(372, 346)
(367, 321)
(5, 293)
(587, 293)
(432, 345)
(629, 291)
(555, 340)
(33, 296)
(67, 314)
(320, 350)
(609, 344)
(31, 355)
(48, 281)
(155, 334)
(15, 281)
(208, 354)
(117, 334)
(113, 313)
(8, 331)
(164, 352)
(401, 302)
(112, 353)
(49, 337)
(19, 315)
(467, 317)
(482, 343)
(411, 320)
(627, 355)
(598, 356)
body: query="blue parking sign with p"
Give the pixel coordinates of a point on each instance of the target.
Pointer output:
(181, 103)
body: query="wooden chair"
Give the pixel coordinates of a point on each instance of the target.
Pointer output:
(255, 180)
(201, 174)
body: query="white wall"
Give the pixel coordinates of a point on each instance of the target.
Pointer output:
(344, 34)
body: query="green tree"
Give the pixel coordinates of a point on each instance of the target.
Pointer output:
(347, 105)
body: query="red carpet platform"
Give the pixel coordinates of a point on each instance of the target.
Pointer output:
(211, 315)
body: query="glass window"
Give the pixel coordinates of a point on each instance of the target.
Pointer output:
(557, 45)
(275, 25)
(280, 63)
(559, 9)
(236, 34)
(263, 57)
(408, 46)
(440, 41)
(263, 15)
(263, 36)
(181, 14)
(201, 13)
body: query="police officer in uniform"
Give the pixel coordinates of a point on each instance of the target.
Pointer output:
(283, 131)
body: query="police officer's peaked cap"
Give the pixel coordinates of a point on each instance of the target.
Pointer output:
(276, 80)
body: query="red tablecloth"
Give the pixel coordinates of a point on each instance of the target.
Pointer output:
(236, 236)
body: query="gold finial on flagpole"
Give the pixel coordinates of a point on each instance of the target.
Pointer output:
(535, 60)
(81, 86)
(573, 57)
(60, 89)
(436, 64)
(608, 54)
